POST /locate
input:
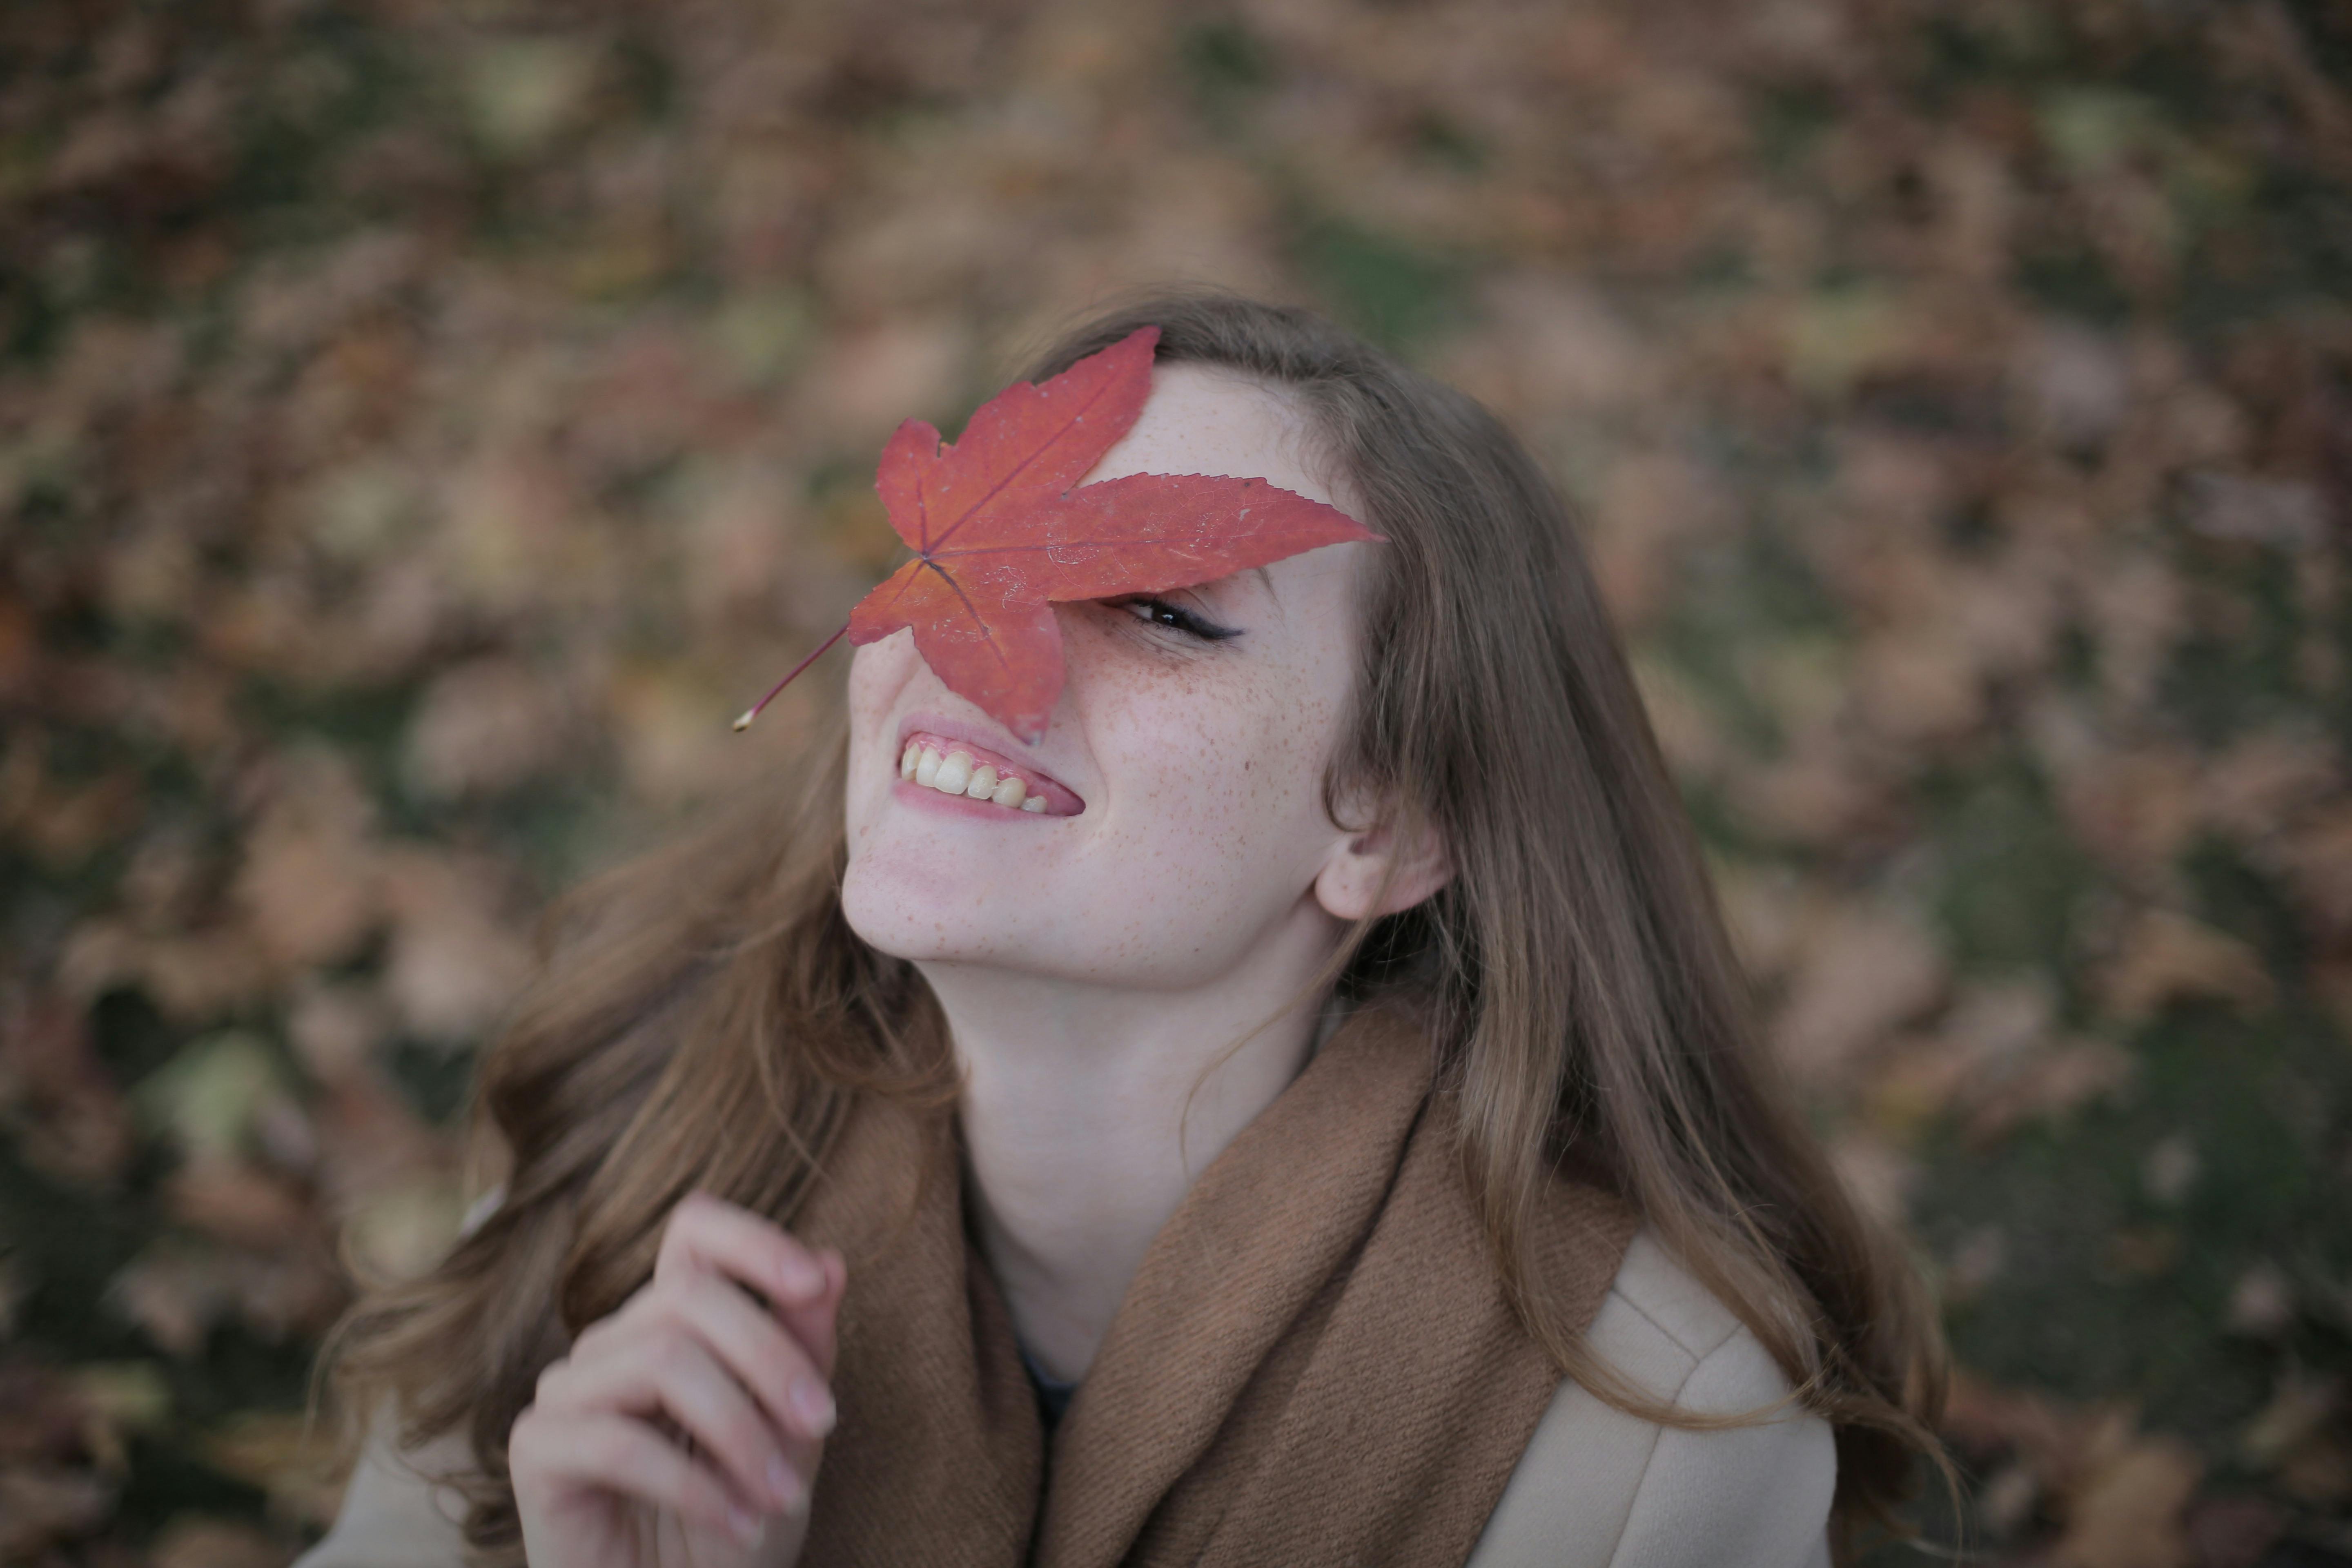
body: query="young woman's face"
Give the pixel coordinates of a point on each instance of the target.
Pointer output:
(1182, 819)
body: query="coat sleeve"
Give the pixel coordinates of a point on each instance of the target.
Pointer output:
(396, 1511)
(1597, 1488)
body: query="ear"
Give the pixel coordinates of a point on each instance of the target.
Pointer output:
(1383, 870)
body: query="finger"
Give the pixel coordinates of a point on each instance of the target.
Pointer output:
(816, 1322)
(616, 1453)
(763, 1354)
(675, 1373)
(711, 1234)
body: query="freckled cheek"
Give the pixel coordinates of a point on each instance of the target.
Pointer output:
(1228, 755)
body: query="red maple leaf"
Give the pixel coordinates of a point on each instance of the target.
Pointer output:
(1000, 535)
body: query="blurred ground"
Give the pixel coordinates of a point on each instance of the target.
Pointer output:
(423, 426)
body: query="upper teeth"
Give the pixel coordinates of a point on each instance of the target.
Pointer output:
(955, 774)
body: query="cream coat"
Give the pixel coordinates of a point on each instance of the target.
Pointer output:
(1594, 1489)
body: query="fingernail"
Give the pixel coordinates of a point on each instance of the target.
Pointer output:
(745, 1525)
(784, 1485)
(812, 1405)
(801, 1277)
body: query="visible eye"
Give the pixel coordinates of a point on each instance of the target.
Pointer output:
(1175, 617)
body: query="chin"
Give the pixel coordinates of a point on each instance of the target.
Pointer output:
(928, 919)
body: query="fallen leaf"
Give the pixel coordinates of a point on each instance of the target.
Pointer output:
(2138, 607)
(60, 1099)
(2262, 1303)
(2050, 1086)
(455, 961)
(2232, 1531)
(667, 727)
(1650, 508)
(1554, 346)
(2283, 512)
(2125, 1512)
(2319, 860)
(2319, 1473)
(2165, 956)
(1976, 1263)
(1866, 973)
(369, 1142)
(308, 884)
(1917, 684)
(40, 1505)
(1880, 1176)
(2170, 1168)
(2075, 384)
(2264, 783)
(205, 974)
(400, 1229)
(2134, 809)
(209, 1094)
(519, 91)
(1820, 794)
(237, 1203)
(175, 1293)
(120, 1397)
(2141, 1252)
(2298, 1410)
(874, 375)
(335, 1025)
(484, 727)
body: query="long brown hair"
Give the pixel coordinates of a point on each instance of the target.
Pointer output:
(705, 1014)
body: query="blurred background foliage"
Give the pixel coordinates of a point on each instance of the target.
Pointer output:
(423, 426)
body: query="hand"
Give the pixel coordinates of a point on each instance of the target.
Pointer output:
(600, 1483)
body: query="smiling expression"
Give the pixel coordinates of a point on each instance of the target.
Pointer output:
(1171, 819)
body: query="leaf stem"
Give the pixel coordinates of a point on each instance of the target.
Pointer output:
(752, 712)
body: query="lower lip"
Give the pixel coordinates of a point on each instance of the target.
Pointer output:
(924, 796)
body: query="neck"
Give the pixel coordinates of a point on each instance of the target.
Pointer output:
(1088, 1112)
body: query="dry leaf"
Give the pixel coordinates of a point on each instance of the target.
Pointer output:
(40, 1505)
(309, 881)
(2318, 858)
(2125, 1512)
(1866, 973)
(2165, 956)
(2050, 1087)
(175, 1294)
(1001, 531)
(2135, 809)
(455, 961)
(237, 1203)
(1880, 1177)
(2262, 1303)
(484, 727)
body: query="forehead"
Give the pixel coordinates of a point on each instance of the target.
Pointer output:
(1208, 419)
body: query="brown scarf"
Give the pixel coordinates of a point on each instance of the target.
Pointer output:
(1315, 1363)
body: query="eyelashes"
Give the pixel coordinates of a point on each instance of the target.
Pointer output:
(1175, 617)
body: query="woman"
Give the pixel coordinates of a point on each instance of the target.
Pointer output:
(1329, 1129)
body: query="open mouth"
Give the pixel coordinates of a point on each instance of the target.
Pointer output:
(961, 768)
